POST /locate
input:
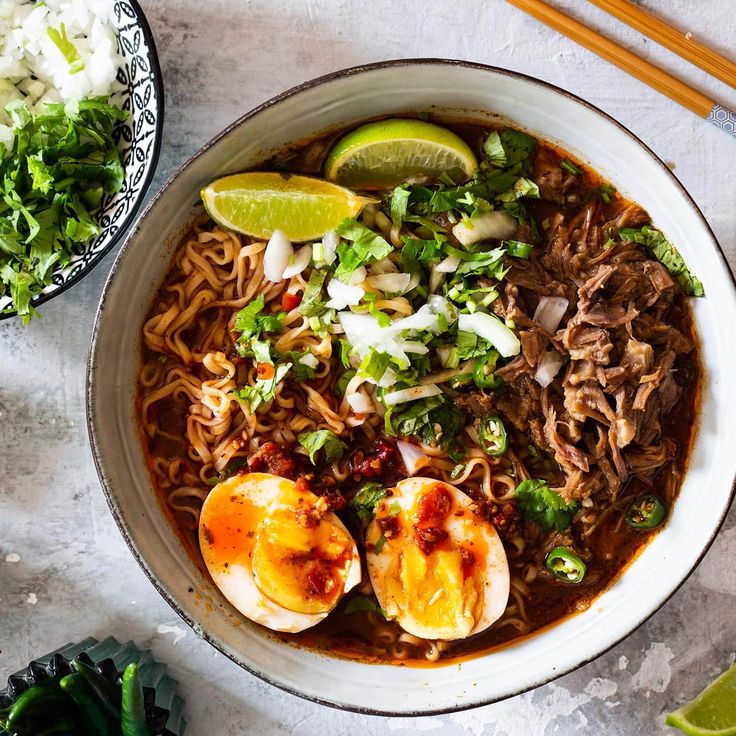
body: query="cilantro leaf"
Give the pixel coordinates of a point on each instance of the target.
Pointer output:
(360, 604)
(540, 504)
(398, 204)
(363, 247)
(264, 389)
(313, 442)
(312, 304)
(251, 324)
(363, 503)
(666, 254)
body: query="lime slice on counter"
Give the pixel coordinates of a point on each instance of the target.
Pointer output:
(713, 712)
(257, 203)
(389, 152)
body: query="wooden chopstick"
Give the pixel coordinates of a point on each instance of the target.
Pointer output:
(650, 74)
(675, 40)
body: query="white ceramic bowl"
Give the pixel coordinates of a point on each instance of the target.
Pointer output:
(342, 99)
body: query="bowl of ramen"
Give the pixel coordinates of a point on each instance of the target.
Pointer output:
(425, 402)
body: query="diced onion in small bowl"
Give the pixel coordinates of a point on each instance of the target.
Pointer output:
(277, 256)
(548, 367)
(485, 226)
(411, 394)
(413, 457)
(299, 262)
(490, 328)
(550, 311)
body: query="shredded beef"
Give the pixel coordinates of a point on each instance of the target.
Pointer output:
(601, 419)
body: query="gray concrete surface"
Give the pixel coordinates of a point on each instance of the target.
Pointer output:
(64, 570)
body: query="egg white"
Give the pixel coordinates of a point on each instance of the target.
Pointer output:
(236, 581)
(494, 567)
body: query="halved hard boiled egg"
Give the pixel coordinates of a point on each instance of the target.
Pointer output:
(275, 551)
(436, 567)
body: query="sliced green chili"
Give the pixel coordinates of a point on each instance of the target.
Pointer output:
(492, 436)
(647, 512)
(565, 565)
(483, 372)
(570, 166)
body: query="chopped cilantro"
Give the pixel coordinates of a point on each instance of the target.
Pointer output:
(666, 254)
(540, 504)
(320, 439)
(52, 180)
(363, 246)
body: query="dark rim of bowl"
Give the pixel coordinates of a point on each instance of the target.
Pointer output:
(158, 84)
(99, 463)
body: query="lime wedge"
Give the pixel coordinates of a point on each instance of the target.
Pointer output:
(713, 712)
(257, 203)
(389, 152)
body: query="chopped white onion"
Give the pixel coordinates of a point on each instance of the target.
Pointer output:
(548, 367)
(485, 226)
(277, 256)
(490, 328)
(385, 265)
(299, 261)
(550, 311)
(444, 355)
(329, 247)
(414, 459)
(411, 394)
(436, 279)
(343, 295)
(360, 403)
(309, 360)
(358, 276)
(390, 283)
(449, 265)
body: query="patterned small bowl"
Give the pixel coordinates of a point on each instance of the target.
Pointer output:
(139, 141)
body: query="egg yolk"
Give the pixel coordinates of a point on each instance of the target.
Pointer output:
(436, 591)
(301, 562)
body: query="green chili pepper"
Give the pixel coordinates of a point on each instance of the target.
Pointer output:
(107, 693)
(42, 709)
(492, 436)
(647, 512)
(461, 379)
(133, 714)
(483, 372)
(91, 711)
(565, 565)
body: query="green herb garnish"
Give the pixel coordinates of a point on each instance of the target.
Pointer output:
(540, 504)
(320, 439)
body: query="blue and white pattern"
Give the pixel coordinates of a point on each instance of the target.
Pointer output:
(138, 138)
(723, 119)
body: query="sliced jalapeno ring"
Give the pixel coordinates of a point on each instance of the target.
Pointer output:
(484, 370)
(647, 512)
(492, 436)
(565, 565)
